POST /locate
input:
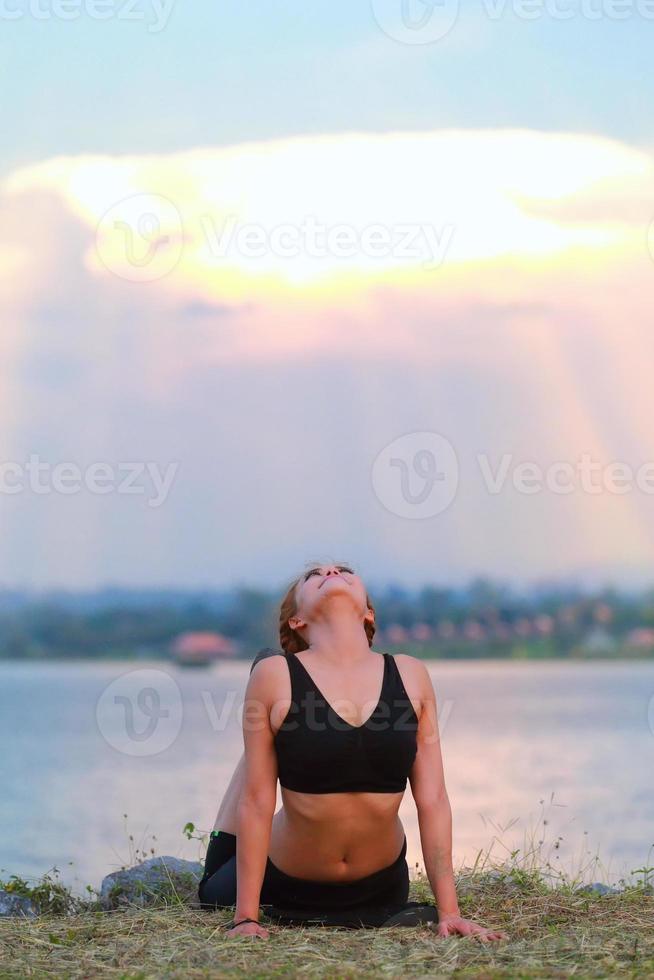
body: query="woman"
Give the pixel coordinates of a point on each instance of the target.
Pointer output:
(335, 851)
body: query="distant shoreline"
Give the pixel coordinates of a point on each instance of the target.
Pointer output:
(476, 658)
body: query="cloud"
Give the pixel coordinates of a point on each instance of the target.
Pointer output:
(262, 217)
(133, 331)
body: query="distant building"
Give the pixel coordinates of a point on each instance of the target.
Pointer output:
(522, 627)
(567, 615)
(598, 642)
(201, 649)
(603, 613)
(474, 631)
(641, 638)
(446, 630)
(544, 624)
(396, 634)
(421, 632)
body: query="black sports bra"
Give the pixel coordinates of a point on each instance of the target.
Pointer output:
(320, 752)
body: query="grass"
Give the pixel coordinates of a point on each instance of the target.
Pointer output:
(554, 931)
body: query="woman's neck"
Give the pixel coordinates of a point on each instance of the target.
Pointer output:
(340, 638)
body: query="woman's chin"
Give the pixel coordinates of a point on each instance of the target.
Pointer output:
(337, 591)
(334, 585)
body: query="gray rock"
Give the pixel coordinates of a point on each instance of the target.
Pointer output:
(597, 888)
(156, 881)
(468, 882)
(17, 905)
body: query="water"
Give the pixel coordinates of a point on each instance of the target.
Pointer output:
(570, 742)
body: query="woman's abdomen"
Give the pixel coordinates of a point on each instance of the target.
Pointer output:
(336, 836)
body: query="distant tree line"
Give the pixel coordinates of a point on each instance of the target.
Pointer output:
(484, 618)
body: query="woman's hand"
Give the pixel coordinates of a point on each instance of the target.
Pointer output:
(249, 929)
(453, 925)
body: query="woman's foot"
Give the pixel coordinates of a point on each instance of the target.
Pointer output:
(412, 914)
(374, 917)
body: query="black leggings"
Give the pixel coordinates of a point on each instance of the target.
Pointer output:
(366, 901)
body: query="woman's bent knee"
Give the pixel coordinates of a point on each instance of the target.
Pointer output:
(219, 889)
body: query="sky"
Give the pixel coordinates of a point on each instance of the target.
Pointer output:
(282, 282)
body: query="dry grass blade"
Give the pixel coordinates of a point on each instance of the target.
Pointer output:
(552, 933)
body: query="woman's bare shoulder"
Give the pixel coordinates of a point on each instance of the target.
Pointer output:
(270, 666)
(269, 676)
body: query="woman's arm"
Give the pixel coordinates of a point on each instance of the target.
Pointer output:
(258, 798)
(435, 815)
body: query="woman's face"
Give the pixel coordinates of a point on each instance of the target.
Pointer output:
(321, 584)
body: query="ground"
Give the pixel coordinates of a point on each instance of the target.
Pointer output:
(553, 932)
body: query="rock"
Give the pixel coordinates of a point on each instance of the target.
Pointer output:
(467, 882)
(156, 881)
(597, 888)
(17, 905)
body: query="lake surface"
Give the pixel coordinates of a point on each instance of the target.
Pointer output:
(571, 744)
